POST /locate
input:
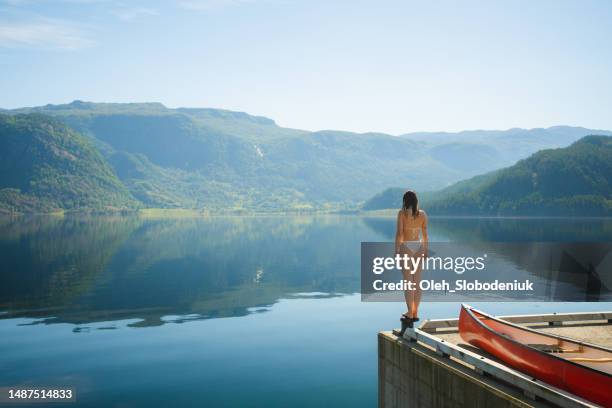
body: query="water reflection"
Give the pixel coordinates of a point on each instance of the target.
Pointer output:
(99, 269)
(463, 229)
(154, 271)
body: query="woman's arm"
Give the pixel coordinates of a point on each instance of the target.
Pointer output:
(424, 234)
(398, 232)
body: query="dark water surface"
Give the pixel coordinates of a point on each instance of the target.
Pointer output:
(221, 311)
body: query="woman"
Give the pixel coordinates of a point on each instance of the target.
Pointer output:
(412, 222)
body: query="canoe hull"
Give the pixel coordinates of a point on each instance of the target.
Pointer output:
(587, 383)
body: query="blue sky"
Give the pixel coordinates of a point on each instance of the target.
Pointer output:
(390, 66)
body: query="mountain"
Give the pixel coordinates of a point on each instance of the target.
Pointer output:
(576, 180)
(46, 166)
(469, 147)
(230, 160)
(225, 160)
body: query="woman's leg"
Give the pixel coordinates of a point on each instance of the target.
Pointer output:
(416, 294)
(408, 294)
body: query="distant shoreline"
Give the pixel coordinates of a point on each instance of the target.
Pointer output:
(198, 213)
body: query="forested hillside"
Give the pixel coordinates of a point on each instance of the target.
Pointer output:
(45, 166)
(222, 160)
(576, 180)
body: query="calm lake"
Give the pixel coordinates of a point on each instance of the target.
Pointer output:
(220, 311)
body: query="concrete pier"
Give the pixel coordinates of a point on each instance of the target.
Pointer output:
(431, 367)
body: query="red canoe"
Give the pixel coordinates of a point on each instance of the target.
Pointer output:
(580, 368)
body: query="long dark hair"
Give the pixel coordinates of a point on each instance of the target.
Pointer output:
(410, 202)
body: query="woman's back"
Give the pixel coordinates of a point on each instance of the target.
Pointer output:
(410, 226)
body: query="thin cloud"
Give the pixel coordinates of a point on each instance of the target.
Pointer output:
(12, 2)
(129, 14)
(203, 5)
(43, 34)
(28, 2)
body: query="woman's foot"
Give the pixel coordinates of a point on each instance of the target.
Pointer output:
(407, 323)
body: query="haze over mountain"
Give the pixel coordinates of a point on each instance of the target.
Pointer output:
(224, 160)
(575, 180)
